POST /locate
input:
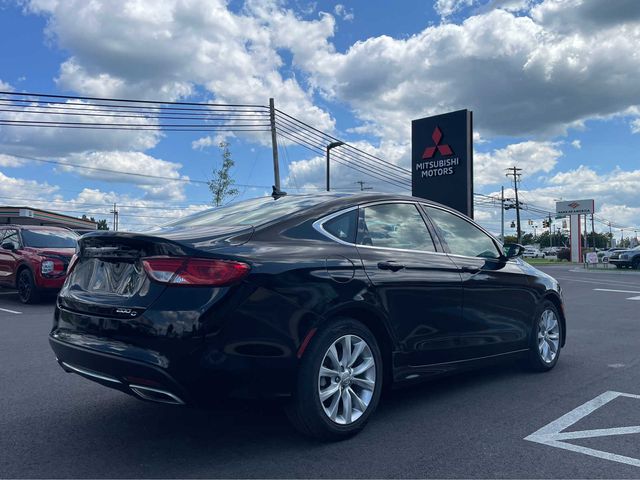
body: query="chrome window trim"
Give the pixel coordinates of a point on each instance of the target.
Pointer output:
(318, 225)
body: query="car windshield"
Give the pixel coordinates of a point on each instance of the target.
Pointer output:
(256, 211)
(49, 238)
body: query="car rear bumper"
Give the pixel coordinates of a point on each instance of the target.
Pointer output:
(204, 375)
(115, 371)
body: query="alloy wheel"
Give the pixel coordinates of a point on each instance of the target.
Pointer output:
(347, 379)
(24, 286)
(548, 336)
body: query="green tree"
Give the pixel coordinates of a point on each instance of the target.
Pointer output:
(102, 225)
(221, 185)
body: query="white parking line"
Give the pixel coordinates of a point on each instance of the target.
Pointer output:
(597, 282)
(10, 311)
(617, 291)
(553, 435)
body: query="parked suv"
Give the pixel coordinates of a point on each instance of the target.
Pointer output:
(626, 258)
(34, 259)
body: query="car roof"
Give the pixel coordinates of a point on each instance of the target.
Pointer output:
(34, 227)
(338, 198)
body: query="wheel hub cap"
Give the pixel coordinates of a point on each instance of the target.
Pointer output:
(346, 380)
(548, 336)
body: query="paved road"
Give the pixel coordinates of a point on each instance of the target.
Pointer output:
(54, 424)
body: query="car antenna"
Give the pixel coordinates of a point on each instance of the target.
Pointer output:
(277, 193)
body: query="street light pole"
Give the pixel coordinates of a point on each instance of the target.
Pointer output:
(329, 147)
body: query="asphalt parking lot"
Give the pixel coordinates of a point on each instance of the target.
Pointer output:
(579, 421)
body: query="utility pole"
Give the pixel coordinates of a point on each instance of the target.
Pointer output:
(362, 187)
(115, 217)
(593, 233)
(610, 236)
(502, 214)
(586, 238)
(274, 145)
(516, 176)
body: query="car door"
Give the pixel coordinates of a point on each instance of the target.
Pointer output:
(8, 258)
(419, 287)
(499, 301)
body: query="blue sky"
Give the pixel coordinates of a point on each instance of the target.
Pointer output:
(554, 86)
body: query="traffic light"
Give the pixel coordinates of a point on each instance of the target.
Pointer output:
(513, 224)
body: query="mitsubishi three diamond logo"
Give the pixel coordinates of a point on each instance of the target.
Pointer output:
(444, 149)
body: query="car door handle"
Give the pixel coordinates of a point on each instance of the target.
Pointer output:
(470, 269)
(393, 266)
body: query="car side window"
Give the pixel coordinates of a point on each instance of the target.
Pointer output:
(343, 227)
(394, 225)
(11, 236)
(462, 237)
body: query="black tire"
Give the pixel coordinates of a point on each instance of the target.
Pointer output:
(635, 263)
(535, 361)
(27, 290)
(305, 410)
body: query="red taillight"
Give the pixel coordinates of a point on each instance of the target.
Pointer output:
(194, 271)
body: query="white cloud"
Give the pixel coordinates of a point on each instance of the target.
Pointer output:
(446, 8)
(310, 173)
(576, 144)
(206, 142)
(9, 161)
(13, 190)
(5, 87)
(520, 77)
(137, 165)
(343, 12)
(635, 126)
(616, 194)
(156, 49)
(533, 157)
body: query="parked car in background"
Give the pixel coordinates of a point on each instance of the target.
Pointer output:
(317, 300)
(34, 259)
(532, 252)
(604, 255)
(629, 258)
(552, 250)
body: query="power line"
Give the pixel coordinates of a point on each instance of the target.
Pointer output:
(124, 100)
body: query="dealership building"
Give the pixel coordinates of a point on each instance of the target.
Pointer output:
(36, 216)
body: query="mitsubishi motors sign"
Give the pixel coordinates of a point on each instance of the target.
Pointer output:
(575, 207)
(442, 160)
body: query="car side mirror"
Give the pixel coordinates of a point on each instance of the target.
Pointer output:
(513, 250)
(8, 246)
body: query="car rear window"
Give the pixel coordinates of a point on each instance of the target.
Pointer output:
(49, 239)
(256, 211)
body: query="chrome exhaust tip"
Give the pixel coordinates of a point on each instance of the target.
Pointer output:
(156, 395)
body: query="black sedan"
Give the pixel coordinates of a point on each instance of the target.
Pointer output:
(322, 300)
